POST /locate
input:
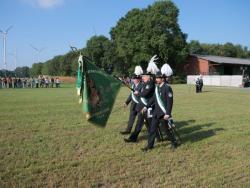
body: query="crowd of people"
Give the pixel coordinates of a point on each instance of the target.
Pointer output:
(32, 82)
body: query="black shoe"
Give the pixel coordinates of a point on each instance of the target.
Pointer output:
(159, 140)
(146, 149)
(173, 146)
(129, 140)
(125, 132)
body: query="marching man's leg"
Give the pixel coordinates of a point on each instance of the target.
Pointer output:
(138, 127)
(152, 134)
(170, 134)
(131, 121)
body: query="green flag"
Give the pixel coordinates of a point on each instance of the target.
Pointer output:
(99, 93)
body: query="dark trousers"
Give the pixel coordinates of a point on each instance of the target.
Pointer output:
(153, 132)
(139, 125)
(131, 120)
(198, 88)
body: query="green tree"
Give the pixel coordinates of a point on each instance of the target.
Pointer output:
(36, 69)
(154, 30)
(195, 47)
(229, 50)
(22, 71)
(95, 49)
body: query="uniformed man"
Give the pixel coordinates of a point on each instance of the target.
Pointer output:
(146, 93)
(163, 102)
(136, 86)
(199, 84)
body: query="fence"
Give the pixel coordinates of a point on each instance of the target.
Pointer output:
(215, 80)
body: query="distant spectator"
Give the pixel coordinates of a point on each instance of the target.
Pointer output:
(57, 83)
(28, 83)
(24, 83)
(46, 82)
(5, 82)
(52, 82)
(10, 82)
(19, 83)
(42, 82)
(14, 82)
(1, 86)
(37, 82)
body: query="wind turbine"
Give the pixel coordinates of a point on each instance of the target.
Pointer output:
(5, 33)
(38, 51)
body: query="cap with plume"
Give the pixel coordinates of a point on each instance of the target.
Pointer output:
(166, 70)
(138, 70)
(152, 67)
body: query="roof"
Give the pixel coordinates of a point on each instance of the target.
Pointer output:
(223, 60)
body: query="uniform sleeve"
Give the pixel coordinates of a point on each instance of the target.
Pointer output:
(151, 101)
(169, 98)
(128, 99)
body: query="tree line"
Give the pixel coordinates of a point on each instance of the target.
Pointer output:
(228, 49)
(137, 36)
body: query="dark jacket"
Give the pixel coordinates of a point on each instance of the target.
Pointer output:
(147, 93)
(129, 99)
(166, 95)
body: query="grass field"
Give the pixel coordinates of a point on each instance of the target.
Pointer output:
(45, 142)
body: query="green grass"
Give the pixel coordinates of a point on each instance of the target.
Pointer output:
(46, 142)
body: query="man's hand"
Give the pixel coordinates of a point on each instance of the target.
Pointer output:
(136, 92)
(125, 105)
(144, 110)
(166, 117)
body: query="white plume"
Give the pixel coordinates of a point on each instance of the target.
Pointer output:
(152, 67)
(138, 70)
(153, 59)
(166, 69)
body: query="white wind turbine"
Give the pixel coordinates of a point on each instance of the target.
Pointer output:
(38, 51)
(5, 34)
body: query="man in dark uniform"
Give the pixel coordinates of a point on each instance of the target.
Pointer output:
(163, 102)
(136, 86)
(146, 93)
(199, 84)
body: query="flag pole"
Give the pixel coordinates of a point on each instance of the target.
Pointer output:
(124, 84)
(85, 89)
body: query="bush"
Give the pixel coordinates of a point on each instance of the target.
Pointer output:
(178, 79)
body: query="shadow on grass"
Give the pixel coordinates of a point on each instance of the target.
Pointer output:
(206, 91)
(143, 136)
(200, 135)
(144, 133)
(195, 132)
(180, 124)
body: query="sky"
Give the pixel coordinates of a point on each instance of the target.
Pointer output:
(52, 25)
